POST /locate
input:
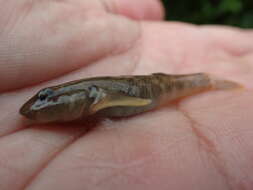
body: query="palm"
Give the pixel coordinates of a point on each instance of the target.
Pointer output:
(203, 142)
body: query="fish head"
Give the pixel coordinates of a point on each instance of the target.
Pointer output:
(56, 104)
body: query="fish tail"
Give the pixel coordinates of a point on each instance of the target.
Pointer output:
(190, 84)
(203, 81)
(223, 84)
(179, 86)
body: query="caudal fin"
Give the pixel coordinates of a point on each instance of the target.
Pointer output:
(222, 84)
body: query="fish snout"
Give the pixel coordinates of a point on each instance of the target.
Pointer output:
(26, 111)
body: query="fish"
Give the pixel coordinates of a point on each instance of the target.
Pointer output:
(116, 96)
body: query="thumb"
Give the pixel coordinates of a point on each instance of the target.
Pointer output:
(49, 39)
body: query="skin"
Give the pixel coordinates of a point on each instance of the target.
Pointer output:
(203, 142)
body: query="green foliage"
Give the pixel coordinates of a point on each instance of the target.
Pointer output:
(229, 12)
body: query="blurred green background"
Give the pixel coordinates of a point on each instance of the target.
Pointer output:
(227, 12)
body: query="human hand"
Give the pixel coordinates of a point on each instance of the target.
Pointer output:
(204, 142)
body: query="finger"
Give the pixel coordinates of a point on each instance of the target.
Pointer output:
(27, 152)
(59, 39)
(139, 10)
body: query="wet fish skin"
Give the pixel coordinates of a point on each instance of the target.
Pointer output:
(116, 96)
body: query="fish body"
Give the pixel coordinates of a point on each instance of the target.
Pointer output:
(114, 96)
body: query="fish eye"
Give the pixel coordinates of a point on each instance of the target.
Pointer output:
(93, 91)
(43, 94)
(93, 88)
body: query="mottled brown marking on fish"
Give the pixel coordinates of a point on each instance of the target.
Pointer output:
(117, 96)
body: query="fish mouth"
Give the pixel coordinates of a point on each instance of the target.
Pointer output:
(26, 111)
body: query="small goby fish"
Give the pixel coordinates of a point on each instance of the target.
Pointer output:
(115, 96)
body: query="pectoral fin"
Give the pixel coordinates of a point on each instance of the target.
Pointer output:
(118, 99)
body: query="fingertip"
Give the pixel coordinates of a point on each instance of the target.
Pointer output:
(138, 10)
